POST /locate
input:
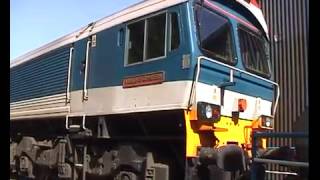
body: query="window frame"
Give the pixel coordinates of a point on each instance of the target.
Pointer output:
(144, 60)
(235, 58)
(254, 33)
(170, 31)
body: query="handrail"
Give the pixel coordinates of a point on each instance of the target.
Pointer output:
(83, 123)
(85, 90)
(69, 74)
(255, 160)
(280, 135)
(231, 78)
(281, 162)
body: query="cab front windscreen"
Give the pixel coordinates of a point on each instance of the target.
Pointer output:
(215, 35)
(254, 51)
(216, 41)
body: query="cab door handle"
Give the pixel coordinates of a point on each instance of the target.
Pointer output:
(224, 84)
(229, 82)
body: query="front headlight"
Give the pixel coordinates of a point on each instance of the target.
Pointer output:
(266, 122)
(208, 112)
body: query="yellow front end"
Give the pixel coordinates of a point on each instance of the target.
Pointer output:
(226, 131)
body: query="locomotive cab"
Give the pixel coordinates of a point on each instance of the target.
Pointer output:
(233, 93)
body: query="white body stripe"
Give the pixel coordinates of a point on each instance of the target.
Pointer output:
(45, 106)
(212, 94)
(114, 100)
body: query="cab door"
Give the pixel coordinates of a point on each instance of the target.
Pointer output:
(79, 75)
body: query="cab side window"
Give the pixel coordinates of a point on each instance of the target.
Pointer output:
(156, 36)
(136, 42)
(174, 30)
(147, 39)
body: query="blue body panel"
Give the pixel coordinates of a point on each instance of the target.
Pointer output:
(106, 64)
(107, 61)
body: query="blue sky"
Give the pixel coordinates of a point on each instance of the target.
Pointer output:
(34, 23)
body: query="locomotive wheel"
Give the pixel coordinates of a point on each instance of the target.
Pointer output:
(126, 175)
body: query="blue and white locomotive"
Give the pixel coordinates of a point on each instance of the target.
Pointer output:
(165, 89)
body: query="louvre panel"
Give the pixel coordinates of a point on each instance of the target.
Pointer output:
(43, 76)
(288, 22)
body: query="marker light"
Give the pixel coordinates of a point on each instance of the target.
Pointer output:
(242, 105)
